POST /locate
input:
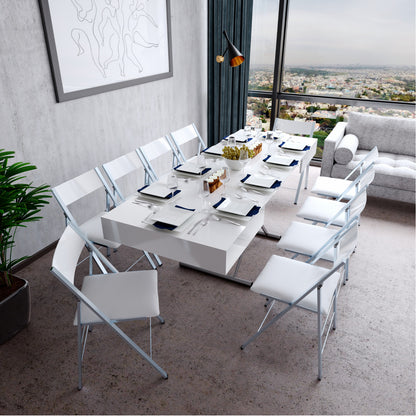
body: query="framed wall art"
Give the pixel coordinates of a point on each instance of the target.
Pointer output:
(96, 46)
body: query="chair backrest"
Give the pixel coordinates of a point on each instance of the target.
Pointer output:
(77, 188)
(121, 167)
(364, 179)
(343, 242)
(67, 253)
(185, 135)
(151, 151)
(305, 128)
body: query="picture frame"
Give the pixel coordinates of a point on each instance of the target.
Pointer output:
(95, 46)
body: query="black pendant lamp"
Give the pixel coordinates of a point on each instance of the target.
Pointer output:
(236, 57)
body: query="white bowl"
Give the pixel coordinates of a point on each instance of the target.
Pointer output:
(236, 164)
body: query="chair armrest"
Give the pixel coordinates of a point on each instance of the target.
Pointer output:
(330, 144)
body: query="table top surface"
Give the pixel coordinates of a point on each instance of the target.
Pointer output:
(206, 225)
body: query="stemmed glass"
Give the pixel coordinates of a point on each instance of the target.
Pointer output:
(204, 193)
(269, 140)
(225, 179)
(172, 183)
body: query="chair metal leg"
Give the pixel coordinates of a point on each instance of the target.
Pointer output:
(319, 334)
(299, 186)
(79, 346)
(260, 331)
(159, 262)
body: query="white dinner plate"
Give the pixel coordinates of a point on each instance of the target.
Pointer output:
(260, 181)
(237, 207)
(280, 160)
(191, 167)
(172, 215)
(157, 189)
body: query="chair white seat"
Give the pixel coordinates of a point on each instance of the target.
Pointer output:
(121, 296)
(322, 210)
(307, 239)
(286, 280)
(94, 231)
(333, 187)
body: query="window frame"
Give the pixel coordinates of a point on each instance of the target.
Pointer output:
(276, 95)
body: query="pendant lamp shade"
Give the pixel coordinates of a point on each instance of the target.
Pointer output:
(236, 57)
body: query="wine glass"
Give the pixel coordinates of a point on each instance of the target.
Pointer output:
(201, 162)
(204, 193)
(172, 183)
(269, 140)
(225, 179)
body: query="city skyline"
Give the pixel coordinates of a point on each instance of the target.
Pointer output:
(366, 32)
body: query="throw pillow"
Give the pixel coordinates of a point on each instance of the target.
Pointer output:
(346, 149)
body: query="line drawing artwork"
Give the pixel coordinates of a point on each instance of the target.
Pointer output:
(96, 46)
(111, 32)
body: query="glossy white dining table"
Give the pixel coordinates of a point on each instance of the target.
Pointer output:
(215, 245)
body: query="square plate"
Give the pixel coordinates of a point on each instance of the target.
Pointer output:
(157, 189)
(214, 150)
(172, 215)
(236, 207)
(268, 182)
(192, 168)
(280, 160)
(294, 146)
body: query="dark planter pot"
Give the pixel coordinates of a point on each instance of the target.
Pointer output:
(14, 312)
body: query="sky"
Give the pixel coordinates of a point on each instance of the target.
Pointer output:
(337, 32)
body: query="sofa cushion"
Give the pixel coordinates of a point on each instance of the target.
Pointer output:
(346, 149)
(390, 134)
(392, 171)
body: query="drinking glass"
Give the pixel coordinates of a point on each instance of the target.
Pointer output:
(201, 162)
(225, 180)
(269, 140)
(231, 141)
(247, 130)
(172, 183)
(204, 193)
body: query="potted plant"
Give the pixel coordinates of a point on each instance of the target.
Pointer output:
(20, 202)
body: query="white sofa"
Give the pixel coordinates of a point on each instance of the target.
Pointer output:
(396, 165)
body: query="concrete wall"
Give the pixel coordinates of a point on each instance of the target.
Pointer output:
(66, 139)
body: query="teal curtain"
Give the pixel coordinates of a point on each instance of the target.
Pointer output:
(227, 86)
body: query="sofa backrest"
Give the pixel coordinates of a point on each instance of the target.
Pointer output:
(390, 134)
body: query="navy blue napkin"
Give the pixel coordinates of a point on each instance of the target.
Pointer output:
(292, 163)
(275, 184)
(255, 210)
(164, 226)
(304, 149)
(191, 173)
(166, 197)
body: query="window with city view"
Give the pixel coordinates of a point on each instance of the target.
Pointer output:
(356, 55)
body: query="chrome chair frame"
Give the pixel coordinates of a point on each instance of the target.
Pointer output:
(304, 128)
(77, 241)
(177, 141)
(115, 170)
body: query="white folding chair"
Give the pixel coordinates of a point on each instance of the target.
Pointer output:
(308, 239)
(336, 212)
(306, 286)
(76, 189)
(186, 135)
(344, 188)
(303, 128)
(116, 170)
(149, 152)
(105, 298)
